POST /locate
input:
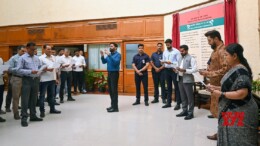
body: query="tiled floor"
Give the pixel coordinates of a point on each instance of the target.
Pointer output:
(86, 123)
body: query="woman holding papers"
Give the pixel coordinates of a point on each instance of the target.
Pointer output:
(238, 112)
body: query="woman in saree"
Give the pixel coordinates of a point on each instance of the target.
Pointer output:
(238, 112)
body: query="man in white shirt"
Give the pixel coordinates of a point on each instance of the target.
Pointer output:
(170, 60)
(78, 71)
(186, 66)
(59, 55)
(66, 62)
(48, 80)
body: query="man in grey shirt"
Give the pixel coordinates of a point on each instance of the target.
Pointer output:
(30, 67)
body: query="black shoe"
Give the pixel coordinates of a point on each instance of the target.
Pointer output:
(71, 99)
(164, 101)
(189, 116)
(17, 116)
(146, 103)
(112, 110)
(136, 103)
(36, 119)
(19, 107)
(2, 120)
(61, 101)
(109, 108)
(24, 124)
(210, 116)
(167, 106)
(177, 107)
(42, 115)
(182, 114)
(8, 110)
(55, 112)
(56, 103)
(155, 101)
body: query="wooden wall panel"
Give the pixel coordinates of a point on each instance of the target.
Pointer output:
(17, 35)
(133, 28)
(68, 32)
(154, 27)
(3, 35)
(44, 34)
(4, 53)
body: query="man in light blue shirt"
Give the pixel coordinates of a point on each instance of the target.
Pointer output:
(15, 82)
(170, 61)
(29, 66)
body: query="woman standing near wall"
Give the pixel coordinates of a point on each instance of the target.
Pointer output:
(235, 98)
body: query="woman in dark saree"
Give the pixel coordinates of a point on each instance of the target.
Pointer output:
(235, 97)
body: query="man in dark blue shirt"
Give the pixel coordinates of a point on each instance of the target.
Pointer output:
(113, 65)
(158, 74)
(140, 65)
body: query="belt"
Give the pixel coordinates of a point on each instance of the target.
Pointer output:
(17, 76)
(31, 77)
(169, 69)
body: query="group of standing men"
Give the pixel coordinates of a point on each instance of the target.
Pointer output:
(175, 66)
(31, 77)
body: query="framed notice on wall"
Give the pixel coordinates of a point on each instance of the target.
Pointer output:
(194, 24)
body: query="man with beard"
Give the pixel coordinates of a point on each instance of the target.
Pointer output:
(158, 74)
(113, 66)
(216, 69)
(170, 61)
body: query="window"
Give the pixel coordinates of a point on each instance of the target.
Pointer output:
(131, 51)
(94, 57)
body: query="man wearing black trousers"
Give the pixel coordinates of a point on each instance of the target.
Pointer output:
(158, 74)
(140, 65)
(170, 60)
(112, 59)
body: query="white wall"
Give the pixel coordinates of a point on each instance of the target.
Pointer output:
(13, 12)
(248, 35)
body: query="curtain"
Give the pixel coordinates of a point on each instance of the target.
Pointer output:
(175, 31)
(230, 22)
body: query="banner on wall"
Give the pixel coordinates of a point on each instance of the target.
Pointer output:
(194, 24)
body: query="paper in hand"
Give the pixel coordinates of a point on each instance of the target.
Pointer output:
(198, 78)
(43, 67)
(3, 68)
(55, 65)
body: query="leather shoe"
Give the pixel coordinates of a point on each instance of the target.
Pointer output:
(146, 103)
(112, 110)
(164, 101)
(213, 137)
(36, 119)
(136, 103)
(182, 114)
(24, 124)
(8, 110)
(109, 108)
(71, 99)
(56, 103)
(167, 106)
(16, 116)
(210, 116)
(177, 107)
(2, 119)
(55, 112)
(42, 115)
(61, 101)
(189, 116)
(155, 101)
